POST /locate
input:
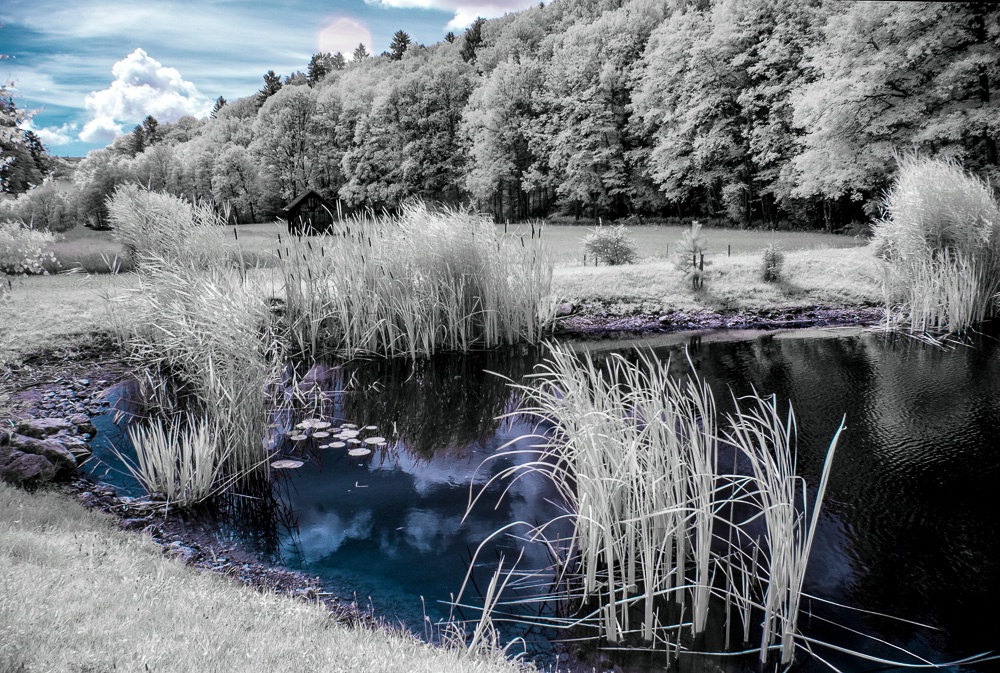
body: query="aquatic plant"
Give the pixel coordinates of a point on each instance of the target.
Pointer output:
(207, 338)
(939, 242)
(415, 284)
(635, 453)
(177, 458)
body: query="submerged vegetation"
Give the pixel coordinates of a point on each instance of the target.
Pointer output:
(940, 245)
(676, 513)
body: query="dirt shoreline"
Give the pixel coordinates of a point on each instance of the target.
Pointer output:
(193, 537)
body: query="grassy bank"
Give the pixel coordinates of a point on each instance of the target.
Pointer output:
(77, 594)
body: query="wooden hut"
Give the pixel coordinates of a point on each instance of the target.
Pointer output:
(309, 213)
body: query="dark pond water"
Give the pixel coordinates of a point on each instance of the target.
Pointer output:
(912, 518)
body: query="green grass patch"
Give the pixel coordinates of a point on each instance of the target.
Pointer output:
(77, 594)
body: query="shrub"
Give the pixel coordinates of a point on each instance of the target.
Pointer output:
(42, 207)
(939, 240)
(773, 262)
(610, 245)
(22, 248)
(158, 226)
(689, 253)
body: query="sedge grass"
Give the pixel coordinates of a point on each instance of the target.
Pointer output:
(176, 458)
(415, 284)
(634, 452)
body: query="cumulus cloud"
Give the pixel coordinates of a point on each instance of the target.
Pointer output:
(344, 34)
(142, 86)
(466, 11)
(53, 135)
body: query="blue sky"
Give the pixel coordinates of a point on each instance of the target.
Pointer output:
(93, 68)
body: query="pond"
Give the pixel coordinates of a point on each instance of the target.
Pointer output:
(911, 522)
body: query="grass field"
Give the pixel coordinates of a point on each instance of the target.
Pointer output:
(82, 247)
(78, 594)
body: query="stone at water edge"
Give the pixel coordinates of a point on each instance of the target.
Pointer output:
(83, 424)
(565, 309)
(52, 450)
(40, 428)
(24, 469)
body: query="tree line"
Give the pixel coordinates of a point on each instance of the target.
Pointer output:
(762, 112)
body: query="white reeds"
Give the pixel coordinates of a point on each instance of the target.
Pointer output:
(177, 458)
(212, 335)
(634, 453)
(940, 245)
(415, 284)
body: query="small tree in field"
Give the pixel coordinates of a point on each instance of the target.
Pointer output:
(689, 255)
(610, 245)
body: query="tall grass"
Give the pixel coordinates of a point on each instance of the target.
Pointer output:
(211, 337)
(940, 243)
(154, 226)
(635, 453)
(177, 458)
(415, 284)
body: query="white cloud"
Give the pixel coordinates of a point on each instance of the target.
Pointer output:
(53, 135)
(100, 130)
(466, 11)
(142, 87)
(343, 34)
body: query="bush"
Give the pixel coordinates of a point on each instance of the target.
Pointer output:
(42, 207)
(773, 262)
(689, 254)
(610, 245)
(158, 226)
(939, 239)
(23, 249)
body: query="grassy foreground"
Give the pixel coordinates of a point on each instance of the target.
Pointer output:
(77, 594)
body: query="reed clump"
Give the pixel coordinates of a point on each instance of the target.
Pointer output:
(939, 241)
(153, 226)
(415, 284)
(656, 545)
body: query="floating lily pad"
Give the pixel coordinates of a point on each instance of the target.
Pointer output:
(371, 427)
(335, 445)
(353, 440)
(375, 440)
(286, 464)
(348, 433)
(321, 433)
(349, 426)
(362, 451)
(321, 425)
(298, 438)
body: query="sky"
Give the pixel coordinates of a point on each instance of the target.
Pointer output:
(89, 70)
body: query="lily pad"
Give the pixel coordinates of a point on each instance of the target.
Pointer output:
(321, 425)
(321, 433)
(371, 427)
(362, 451)
(334, 445)
(298, 438)
(286, 464)
(375, 440)
(353, 440)
(349, 426)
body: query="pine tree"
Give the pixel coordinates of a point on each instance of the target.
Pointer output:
(272, 85)
(149, 128)
(338, 62)
(400, 41)
(473, 40)
(320, 66)
(360, 53)
(449, 37)
(220, 103)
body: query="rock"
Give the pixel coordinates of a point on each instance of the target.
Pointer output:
(565, 309)
(177, 550)
(24, 469)
(40, 428)
(80, 449)
(52, 450)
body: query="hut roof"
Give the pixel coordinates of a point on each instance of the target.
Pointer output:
(297, 201)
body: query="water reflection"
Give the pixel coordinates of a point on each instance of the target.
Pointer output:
(911, 525)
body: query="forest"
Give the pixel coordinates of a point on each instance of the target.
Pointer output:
(757, 113)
